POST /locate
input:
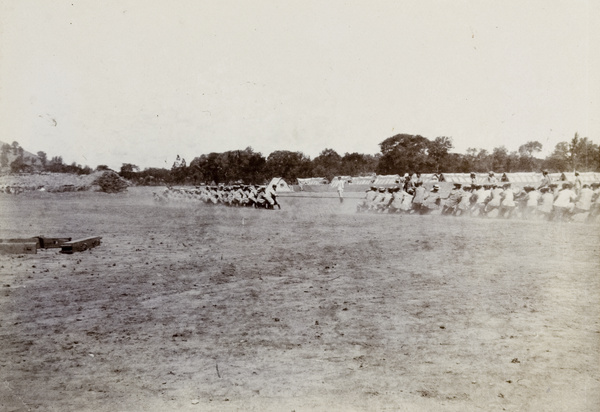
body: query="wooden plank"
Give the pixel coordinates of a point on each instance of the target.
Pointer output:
(18, 248)
(53, 242)
(22, 240)
(79, 245)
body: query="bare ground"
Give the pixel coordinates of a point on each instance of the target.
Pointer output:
(314, 307)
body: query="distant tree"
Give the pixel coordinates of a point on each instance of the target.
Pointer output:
(129, 171)
(456, 162)
(207, 168)
(578, 154)
(254, 166)
(328, 164)
(19, 166)
(43, 158)
(499, 159)
(5, 148)
(56, 165)
(438, 152)
(101, 168)
(404, 153)
(3, 159)
(15, 148)
(246, 166)
(179, 170)
(512, 162)
(477, 160)
(560, 159)
(526, 161)
(530, 148)
(483, 161)
(154, 176)
(584, 154)
(288, 165)
(357, 164)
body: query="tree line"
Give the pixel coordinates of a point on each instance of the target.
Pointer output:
(399, 154)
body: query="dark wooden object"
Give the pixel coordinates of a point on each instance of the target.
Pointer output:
(52, 242)
(79, 245)
(18, 248)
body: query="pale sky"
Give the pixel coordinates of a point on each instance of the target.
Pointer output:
(140, 81)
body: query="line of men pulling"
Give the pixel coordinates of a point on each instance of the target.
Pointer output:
(264, 197)
(550, 201)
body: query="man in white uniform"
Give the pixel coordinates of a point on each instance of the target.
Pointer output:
(564, 202)
(532, 199)
(546, 180)
(271, 196)
(584, 200)
(339, 183)
(578, 183)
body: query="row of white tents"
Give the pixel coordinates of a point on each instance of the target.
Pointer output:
(383, 180)
(525, 178)
(522, 179)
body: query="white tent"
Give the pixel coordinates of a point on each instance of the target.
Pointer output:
(386, 180)
(311, 181)
(363, 180)
(346, 179)
(586, 177)
(281, 184)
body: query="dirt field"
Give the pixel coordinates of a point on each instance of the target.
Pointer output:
(314, 307)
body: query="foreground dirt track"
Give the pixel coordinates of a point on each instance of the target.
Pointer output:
(314, 307)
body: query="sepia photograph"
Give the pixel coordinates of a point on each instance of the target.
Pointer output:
(299, 206)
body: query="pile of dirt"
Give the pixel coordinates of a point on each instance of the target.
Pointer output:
(111, 182)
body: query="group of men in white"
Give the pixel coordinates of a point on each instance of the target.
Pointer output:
(264, 197)
(492, 198)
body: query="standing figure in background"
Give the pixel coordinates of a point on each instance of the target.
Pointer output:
(473, 178)
(546, 180)
(491, 179)
(408, 183)
(417, 178)
(578, 183)
(339, 183)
